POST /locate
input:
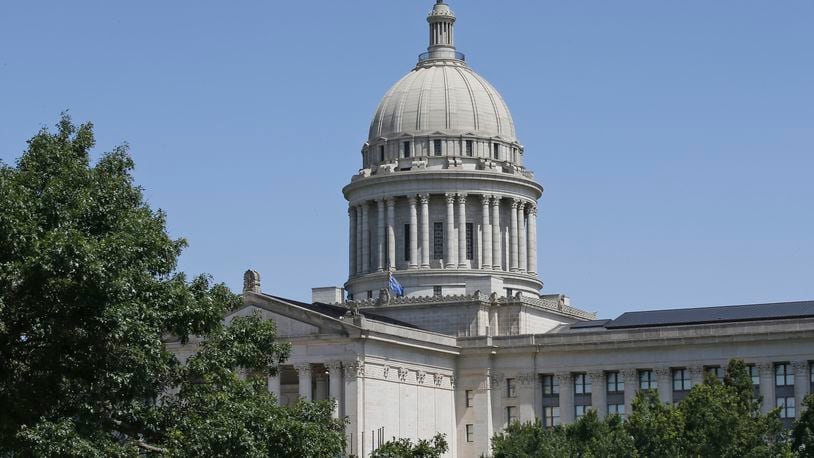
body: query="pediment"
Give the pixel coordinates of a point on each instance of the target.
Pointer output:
(292, 320)
(286, 326)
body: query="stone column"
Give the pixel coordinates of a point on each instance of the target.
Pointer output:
(352, 242)
(365, 238)
(462, 231)
(413, 232)
(599, 393)
(532, 242)
(274, 384)
(696, 374)
(425, 230)
(630, 377)
(335, 384)
(496, 238)
(664, 380)
(801, 384)
(450, 233)
(321, 386)
(358, 239)
(766, 375)
(380, 233)
(304, 373)
(486, 231)
(391, 233)
(521, 238)
(513, 252)
(567, 412)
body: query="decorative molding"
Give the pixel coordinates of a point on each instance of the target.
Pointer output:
(663, 372)
(565, 378)
(334, 366)
(629, 374)
(527, 378)
(800, 366)
(424, 199)
(354, 369)
(403, 371)
(438, 379)
(303, 369)
(385, 371)
(419, 376)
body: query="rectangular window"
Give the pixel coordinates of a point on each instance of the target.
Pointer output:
(470, 228)
(616, 383)
(406, 149)
(381, 153)
(551, 385)
(496, 148)
(469, 148)
(786, 405)
(470, 433)
(437, 147)
(618, 409)
(511, 388)
(783, 375)
(582, 384)
(470, 398)
(579, 411)
(437, 291)
(811, 372)
(511, 414)
(438, 240)
(370, 294)
(752, 370)
(407, 242)
(551, 416)
(647, 381)
(681, 380)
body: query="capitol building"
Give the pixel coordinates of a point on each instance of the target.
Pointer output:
(443, 203)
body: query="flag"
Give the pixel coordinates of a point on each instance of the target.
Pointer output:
(395, 286)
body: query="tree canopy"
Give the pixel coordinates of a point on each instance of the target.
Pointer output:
(405, 448)
(89, 295)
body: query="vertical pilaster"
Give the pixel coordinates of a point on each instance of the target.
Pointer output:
(450, 232)
(425, 230)
(462, 231)
(801, 385)
(335, 385)
(513, 252)
(766, 375)
(391, 233)
(274, 385)
(567, 412)
(532, 261)
(496, 238)
(521, 237)
(696, 374)
(380, 233)
(351, 242)
(630, 376)
(365, 238)
(664, 379)
(304, 373)
(486, 231)
(358, 239)
(411, 200)
(599, 393)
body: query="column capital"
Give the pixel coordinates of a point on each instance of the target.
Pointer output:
(663, 372)
(450, 197)
(521, 205)
(354, 369)
(532, 208)
(333, 366)
(412, 200)
(629, 374)
(461, 198)
(391, 201)
(696, 370)
(303, 368)
(799, 366)
(514, 203)
(766, 367)
(565, 378)
(496, 200)
(351, 210)
(424, 198)
(597, 375)
(484, 199)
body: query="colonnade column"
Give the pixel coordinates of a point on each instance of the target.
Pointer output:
(413, 233)
(521, 237)
(335, 384)
(513, 236)
(496, 237)
(532, 254)
(380, 233)
(802, 383)
(365, 238)
(391, 233)
(352, 242)
(304, 373)
(599, 394)
(696, 375)
(358, 239)
(630, 376)
(486, 231)
(664, 381)
(461, 231)
(425, 230)
(567, 412)
(766, 375)
(450, 232)
(274, 384)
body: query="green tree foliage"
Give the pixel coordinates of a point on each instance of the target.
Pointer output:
(803, 433)
(717, 418)
(89, 292)
(405, 448)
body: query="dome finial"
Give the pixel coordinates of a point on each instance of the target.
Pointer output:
(442, 34)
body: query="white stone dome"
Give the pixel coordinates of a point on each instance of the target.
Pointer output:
(443, 96)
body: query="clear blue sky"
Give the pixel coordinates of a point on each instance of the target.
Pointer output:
(675, 140)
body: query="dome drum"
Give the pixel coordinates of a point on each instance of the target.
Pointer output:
(467, 147)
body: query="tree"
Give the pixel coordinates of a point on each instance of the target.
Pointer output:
(531, 439)
(88, 293)
(405, 448)
(656, 428)
(803, 433)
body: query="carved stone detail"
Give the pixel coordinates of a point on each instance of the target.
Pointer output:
(403, 371)
(251, 281)
(419, 376)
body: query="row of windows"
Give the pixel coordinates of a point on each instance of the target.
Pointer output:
(438, 241)
(438, 149)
